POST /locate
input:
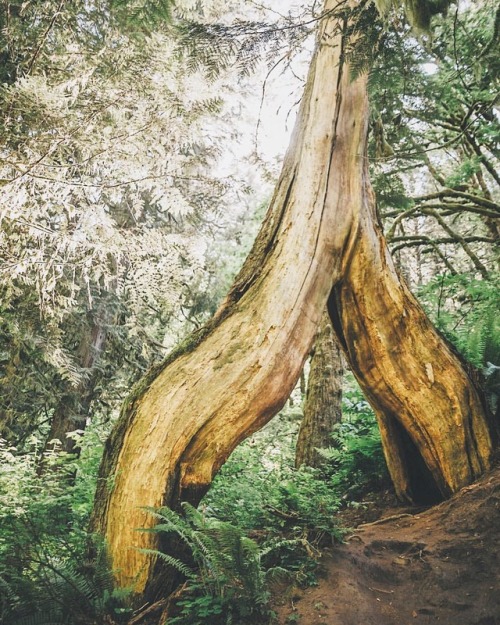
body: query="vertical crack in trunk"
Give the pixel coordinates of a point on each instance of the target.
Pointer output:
(229, 379)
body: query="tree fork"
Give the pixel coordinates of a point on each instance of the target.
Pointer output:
(232, 376)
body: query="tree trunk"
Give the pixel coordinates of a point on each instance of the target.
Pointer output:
(232, 376)
(73, 410)
(435, 429)
(323, 403)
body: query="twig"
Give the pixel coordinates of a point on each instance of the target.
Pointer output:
(387, 519)
(154, 607)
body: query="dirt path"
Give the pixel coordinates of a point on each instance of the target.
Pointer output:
(440, 566)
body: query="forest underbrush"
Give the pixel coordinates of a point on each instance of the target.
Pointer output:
(439, 565)
(269, 543)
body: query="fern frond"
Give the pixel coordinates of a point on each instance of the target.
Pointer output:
(175, 563)
(277, 574)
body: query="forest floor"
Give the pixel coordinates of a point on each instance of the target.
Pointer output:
(411, 567)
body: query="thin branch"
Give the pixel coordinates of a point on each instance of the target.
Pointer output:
(463, 242)
(401, 216)
(44, 36)
(416, 240)
(488, 166)
(446, 192)
(435, 248)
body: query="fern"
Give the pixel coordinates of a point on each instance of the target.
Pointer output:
(175, 563)
(67, 593)
(230, 580)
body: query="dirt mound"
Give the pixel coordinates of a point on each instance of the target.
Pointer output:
(438, 566)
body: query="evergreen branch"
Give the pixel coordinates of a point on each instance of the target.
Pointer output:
(460, 239)
(483, 159)
(418, 240)
(474, 199)
(44, 37)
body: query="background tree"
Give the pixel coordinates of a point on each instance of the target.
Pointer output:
(323, 401)
(103, 226)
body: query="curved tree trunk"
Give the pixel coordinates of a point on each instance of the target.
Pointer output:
(434, 424)
(323, 403)
(231, 377)
(237, 372)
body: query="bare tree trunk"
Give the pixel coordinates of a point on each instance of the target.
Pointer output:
(435, 429)
(323, 403)
(231, 377)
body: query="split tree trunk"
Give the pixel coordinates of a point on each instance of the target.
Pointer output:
(435, 429)
(323, 402)
(238, 371)
(231, 377)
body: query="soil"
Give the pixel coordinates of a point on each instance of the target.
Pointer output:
(411, 567)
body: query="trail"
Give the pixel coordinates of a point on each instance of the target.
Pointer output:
(438, 566)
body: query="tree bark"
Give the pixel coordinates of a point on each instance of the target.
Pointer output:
(323, 402)
(436, 432)
(185, 418)
(73, 410)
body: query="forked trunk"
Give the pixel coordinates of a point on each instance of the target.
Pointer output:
(237, 372)
(231, 377)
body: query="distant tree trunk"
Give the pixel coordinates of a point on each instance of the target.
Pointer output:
(73, 409)
(230, 378)
(323, 402)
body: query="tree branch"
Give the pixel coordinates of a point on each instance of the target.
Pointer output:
(422, 239)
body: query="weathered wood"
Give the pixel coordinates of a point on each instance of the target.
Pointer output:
(235, 374)
(231, 377)
(435, 428)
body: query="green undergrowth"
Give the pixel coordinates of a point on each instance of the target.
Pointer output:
(284, 516)
(260, 488)
(45, 575)
(262, 523)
